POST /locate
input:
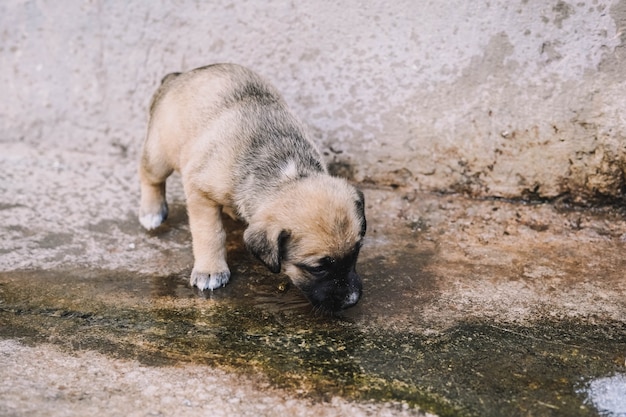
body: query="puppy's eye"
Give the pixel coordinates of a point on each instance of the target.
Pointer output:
(315, 270)
(322, 267)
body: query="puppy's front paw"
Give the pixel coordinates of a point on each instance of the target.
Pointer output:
(208, 281)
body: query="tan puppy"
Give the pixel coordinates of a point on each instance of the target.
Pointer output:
(237, 146)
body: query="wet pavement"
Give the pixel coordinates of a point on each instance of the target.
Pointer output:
(470, 308)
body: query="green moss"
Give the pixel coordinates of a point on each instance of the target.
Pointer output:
(474, 368)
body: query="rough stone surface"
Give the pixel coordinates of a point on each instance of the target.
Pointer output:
(492, 98)
(91, 384)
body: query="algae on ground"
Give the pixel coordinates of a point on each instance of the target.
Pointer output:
(471, 369)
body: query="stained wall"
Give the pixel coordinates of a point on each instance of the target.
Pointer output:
(494, 98)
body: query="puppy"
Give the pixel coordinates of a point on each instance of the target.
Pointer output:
(237, 147)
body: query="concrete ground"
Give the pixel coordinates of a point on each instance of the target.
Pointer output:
(471, 307)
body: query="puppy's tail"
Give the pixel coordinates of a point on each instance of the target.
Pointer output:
(169, 77)
(161, 90)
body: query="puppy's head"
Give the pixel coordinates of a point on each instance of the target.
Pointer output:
(313, 230)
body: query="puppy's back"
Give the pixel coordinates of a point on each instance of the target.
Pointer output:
(212, 89)
(188, 106)
(227, 116)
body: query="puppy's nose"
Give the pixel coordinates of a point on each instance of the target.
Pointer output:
(351, 300)
(355, 289)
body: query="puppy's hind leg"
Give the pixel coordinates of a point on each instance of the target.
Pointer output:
(152, 175)
(210, 270)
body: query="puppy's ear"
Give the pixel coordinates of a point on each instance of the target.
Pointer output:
(268, 249)
(360, 210)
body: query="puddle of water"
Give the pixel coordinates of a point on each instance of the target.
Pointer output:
(258, 323)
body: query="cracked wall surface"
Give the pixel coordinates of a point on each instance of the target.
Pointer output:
(493, 98)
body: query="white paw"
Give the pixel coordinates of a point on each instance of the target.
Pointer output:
(151, 221)
(207, 281)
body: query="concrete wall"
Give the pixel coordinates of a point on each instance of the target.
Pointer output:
(492, 97)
